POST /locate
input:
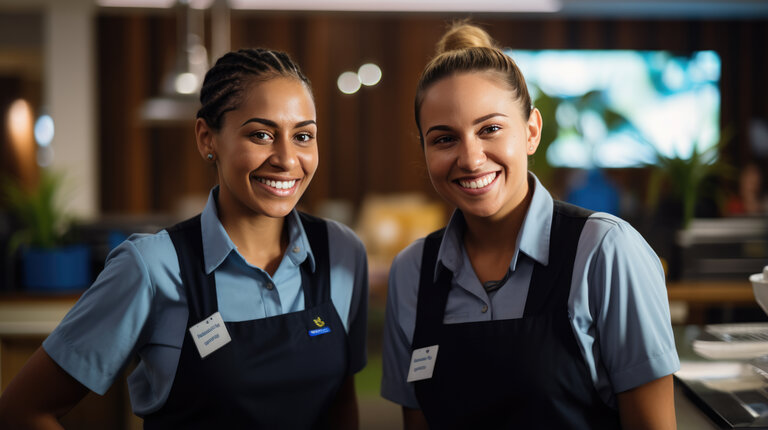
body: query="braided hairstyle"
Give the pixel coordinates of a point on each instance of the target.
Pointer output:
(468, 48)
(226, 81)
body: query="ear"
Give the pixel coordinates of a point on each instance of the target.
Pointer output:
(534, 131)
(204, 135)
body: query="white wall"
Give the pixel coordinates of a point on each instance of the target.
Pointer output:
(69, 95)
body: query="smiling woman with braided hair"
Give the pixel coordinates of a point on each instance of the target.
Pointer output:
(249, 315)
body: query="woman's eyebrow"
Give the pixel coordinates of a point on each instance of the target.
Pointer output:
(267, 122)
(271, 123)
(485, 117)
(437, 127)
(475, 122)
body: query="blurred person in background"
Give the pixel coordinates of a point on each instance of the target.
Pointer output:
(750, 199)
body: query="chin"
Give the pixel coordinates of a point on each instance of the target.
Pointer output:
(275, 212)
(480, 212)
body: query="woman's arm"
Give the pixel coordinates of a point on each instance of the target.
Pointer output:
(413, 419)
(625, 294)
(39, 395)
(343, 414)
(649, 406)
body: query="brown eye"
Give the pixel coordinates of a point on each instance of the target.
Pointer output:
(260, 136)
(304, 137)
(443, 140)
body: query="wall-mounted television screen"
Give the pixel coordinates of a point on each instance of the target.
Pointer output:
(619, 108)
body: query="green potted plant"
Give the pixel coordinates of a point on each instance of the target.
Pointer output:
(50, 260)
(681, 178)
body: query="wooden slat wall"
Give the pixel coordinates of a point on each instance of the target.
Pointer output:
(368, 142)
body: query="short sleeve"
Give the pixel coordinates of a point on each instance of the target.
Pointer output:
(349, 270)
(98, 336)
(399, 324)
(628, 307)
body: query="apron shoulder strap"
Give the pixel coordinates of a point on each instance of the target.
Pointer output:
(317, 287)
(187, 239)
(431, 298)
(567, 223)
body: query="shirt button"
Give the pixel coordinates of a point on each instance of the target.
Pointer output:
(484, 309)
(296, 249)
(270, 286)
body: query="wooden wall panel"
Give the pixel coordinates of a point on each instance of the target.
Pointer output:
(368, 141)
(123, 151)
(317, 37)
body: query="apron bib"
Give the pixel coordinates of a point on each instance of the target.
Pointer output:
(280, 372)
(525, 373)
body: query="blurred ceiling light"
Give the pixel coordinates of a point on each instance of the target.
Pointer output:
(194, 4)
(186, 83)
(369, 74)
(19, 120)
(44, 130)
(136, 3)
(177, 102)
(403, 5)
(348, 82)
(19, 123)
(200, 4)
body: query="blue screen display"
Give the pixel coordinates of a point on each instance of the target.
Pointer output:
(618, 108)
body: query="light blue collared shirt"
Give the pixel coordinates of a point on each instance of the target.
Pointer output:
(137, 306)
(617, 306)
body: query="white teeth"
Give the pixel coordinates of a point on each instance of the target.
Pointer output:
(280, 185)
(479, 182)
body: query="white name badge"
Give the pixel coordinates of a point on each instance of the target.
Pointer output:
(210, 334)
(422, 363)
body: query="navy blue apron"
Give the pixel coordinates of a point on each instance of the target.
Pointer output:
(525, 373)
(273, 374)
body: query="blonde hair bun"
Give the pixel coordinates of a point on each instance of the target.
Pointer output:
(463, 35)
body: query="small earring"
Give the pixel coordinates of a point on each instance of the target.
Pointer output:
(210, 156)
(530, 148)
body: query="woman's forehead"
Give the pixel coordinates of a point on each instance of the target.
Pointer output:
(468, 93)
(276, 98)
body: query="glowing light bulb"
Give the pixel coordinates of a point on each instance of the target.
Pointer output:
(44, 130)
(186, 83)
(348, 82)
(369, 74)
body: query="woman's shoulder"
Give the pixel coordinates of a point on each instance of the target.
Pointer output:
(603, 229)
(153, 252)
(148, 245)
(342, 234)
(407, 263)
(611, 243)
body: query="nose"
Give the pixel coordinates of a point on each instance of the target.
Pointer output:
(284, 155)
(471, 154)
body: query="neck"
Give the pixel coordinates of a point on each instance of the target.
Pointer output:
(260, 239)
(491, 242)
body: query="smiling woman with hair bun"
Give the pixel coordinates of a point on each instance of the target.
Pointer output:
(524, 312)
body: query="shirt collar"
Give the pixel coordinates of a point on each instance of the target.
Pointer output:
(217, 245)
(298, 244)
(533, 240)
(537, 226)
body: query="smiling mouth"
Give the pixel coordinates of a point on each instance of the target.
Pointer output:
(280, 185)
(481, 182)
